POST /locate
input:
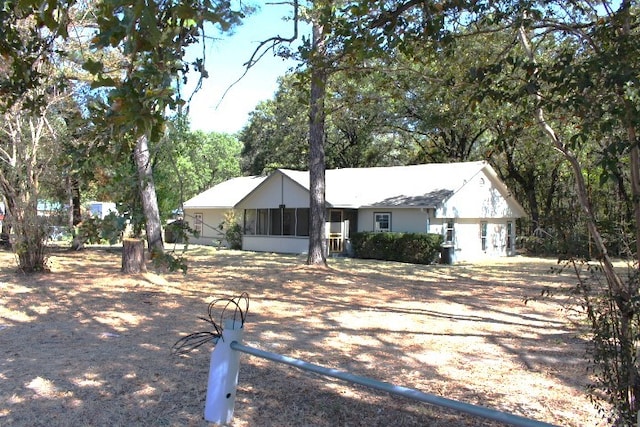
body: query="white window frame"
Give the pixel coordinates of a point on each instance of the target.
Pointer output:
(449, 229)
(376, 223)
(511, 237)
(483, 235)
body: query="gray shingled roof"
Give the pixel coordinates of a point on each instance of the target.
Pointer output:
(226, 194)
(423, 186)
(398, 186)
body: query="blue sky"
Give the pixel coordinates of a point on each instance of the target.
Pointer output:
(225, 58)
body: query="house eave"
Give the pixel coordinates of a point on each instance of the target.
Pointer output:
(380, 206)
(208, 207)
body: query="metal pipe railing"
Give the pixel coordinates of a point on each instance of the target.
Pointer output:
(467, 408)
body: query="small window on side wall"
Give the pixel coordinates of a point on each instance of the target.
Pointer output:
(510, 236)
(483, 235)
(449, 231)
(197, 226)
(382, 222)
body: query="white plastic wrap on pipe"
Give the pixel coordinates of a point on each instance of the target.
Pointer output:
(223, 375)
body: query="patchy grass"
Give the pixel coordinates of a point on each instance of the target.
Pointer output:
(88, 345)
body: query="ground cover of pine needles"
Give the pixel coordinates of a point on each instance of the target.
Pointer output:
(87, 345)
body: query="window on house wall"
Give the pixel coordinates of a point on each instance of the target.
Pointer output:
(250, 219)
(449, 231)
(302, 222)
(262, 227)
(197, 223)
(483, 235)
(382, 221)
(510, 236)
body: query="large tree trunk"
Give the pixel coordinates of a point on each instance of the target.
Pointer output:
(317, 254)
(75, 213)
(148, 195)
(133, 256)
(635, 185)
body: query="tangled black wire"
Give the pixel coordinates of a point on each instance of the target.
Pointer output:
(234, 308)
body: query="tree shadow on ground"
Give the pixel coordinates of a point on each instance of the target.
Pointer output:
(87, 345)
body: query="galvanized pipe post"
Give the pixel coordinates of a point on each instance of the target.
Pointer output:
(223, 375)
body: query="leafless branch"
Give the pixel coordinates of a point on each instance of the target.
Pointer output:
(264, 46)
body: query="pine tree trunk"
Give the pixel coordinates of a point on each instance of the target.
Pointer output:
(148, 194)
(316, 151)
(76, 213)
(133, 256)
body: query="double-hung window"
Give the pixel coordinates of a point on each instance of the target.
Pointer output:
(510, 236)
(382, 221)
(449, 231)
(483, 235)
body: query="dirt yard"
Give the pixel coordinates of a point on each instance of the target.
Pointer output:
(86, 345)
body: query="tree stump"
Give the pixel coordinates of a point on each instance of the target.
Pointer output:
(133, 256)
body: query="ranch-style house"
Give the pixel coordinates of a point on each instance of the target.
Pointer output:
(465, 202)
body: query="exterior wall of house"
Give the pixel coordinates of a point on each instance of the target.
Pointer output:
(468, 238)
(407, 220)
(275, 191)
(210, 232)
(101, 209)
(468, 243)
(479, 198)
(467, 232)
(278, 244)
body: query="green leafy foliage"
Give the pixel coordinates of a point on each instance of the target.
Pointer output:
(189, 162)
(152, 37)
(613, 346)
(29, 31)
(359, 126)
(415, 248)
(94, 230)
(169, 261)
(231, 229)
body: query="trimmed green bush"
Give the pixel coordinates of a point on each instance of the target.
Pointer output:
(415, 248)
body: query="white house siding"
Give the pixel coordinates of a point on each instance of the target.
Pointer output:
(436, 225)
(211, 220)
(479, 198)
(468, 243)
(407, 220)
(278, 244)
(275, 191)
